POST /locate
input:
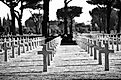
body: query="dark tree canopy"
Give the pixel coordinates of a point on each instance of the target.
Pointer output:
(105, 3)
(99, 17)
(72, 11)
(100, 2)
(117, 4)
(34, 4)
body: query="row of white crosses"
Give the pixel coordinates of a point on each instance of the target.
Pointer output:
(25, 43)
(112, 39)
(22, 43)
(48, 51)
(93, 43)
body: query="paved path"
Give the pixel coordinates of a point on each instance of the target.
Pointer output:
(69, 63)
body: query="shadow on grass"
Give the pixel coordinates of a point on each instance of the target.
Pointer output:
(21, 74)
(78, 65)
(28, 61)
(24, 66)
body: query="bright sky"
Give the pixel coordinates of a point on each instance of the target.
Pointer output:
(54, 5)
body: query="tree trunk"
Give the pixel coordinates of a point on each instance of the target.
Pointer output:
(20, 20)
(65, 26)
(119, 21)
(20, 27)
(45, 18)
(36, 27)
(12, 27)
(71, 26)
(37, 32)
(65, 19)
(100, 28)
(100, 24)
(104, 24)
(108, 18)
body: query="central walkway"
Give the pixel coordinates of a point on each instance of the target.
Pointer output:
(70, 58)
(70, 62)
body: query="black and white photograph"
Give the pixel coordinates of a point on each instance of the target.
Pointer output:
(60, 39)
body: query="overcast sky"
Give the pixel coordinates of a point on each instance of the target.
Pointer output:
(54, 5)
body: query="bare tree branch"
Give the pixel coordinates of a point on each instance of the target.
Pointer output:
(69, 1)
(99, 6)
(5, 3)
(17, 12)
(17, 17)
(18, 1)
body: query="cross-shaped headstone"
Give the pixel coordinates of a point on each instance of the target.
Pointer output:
(90, 45)
(52, 49)
(5, 48)
(25, 43)
(46, 59)
(30, 44)
(1, 50)
(19, 47)
(95, 54)
(13, 48)
(106, 51)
